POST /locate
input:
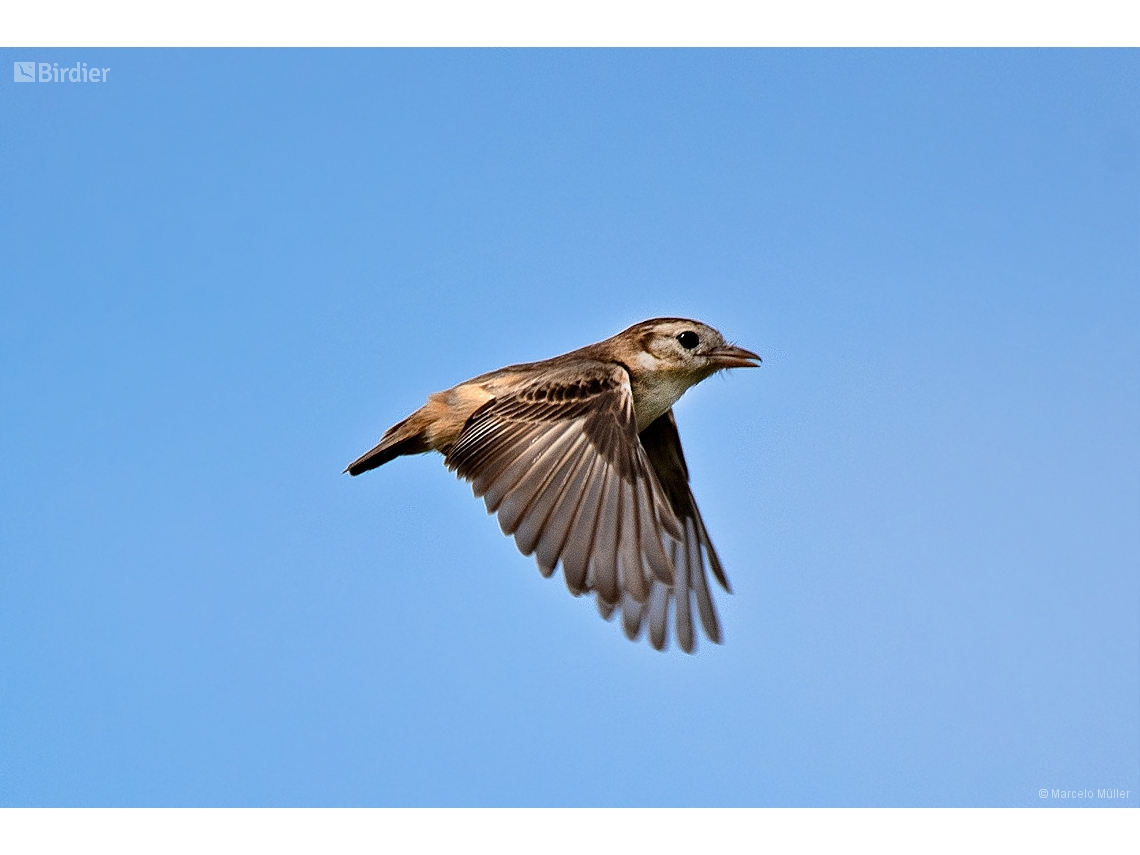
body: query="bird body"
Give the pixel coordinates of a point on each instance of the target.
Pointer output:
(580, 458)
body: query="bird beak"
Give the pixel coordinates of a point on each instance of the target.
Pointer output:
(731, 356)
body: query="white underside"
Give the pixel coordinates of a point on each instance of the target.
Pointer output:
(655, 394)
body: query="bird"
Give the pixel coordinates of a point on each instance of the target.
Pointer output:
(580, 458)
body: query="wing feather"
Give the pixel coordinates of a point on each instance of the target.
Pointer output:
(560, 461)
(688, 550)
(659, 616)
(682, 558)
(538, 513)
(564, 509)
(633, 568)
(513, 464)
(603, 576)
(699, 582)
(580, 542)
(606, 610)
(653, 540)
(497, 456)
(632, 616)
(545, 458)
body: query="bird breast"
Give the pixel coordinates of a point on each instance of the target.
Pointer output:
(654, 392)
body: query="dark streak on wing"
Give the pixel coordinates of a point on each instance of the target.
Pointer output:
(560, 462)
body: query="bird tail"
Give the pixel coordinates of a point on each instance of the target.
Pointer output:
(407, 437)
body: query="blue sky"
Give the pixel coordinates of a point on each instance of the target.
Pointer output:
(225, 273)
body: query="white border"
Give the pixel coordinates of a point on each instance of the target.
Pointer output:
(721, 831)
(561, 23)
(338, 23)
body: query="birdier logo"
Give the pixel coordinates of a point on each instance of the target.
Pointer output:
(51, 72)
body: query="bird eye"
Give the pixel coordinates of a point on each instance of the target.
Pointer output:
(688, 339)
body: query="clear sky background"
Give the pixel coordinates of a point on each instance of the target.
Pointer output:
(223, 274)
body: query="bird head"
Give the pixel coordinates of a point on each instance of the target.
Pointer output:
(666, 356)
(690, 348)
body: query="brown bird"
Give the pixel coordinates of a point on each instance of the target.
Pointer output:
(579, 456)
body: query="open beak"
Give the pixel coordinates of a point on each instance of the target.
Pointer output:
(731, 356)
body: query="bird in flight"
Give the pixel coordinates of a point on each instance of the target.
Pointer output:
(580, 458)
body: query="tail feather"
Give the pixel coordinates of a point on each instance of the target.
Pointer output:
(400, 439)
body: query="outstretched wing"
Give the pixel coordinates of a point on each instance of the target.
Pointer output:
(559, 461)
(662, 445)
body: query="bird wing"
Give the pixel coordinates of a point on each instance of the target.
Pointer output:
(558, 459)
(662, 445)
